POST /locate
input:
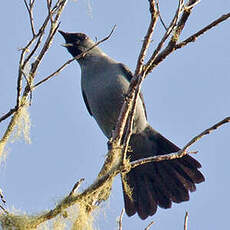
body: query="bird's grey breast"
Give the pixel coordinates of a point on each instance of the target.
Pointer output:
(105, 88)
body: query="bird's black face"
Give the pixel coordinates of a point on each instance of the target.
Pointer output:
(76, 43)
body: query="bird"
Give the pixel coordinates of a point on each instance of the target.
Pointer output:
(104, 85)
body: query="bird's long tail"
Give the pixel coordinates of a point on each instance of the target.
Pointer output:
(158, 183)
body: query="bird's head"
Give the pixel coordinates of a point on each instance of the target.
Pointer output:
(76, 43)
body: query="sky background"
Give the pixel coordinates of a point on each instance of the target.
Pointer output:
(184, 95)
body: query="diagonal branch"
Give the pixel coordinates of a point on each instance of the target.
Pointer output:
(193, 37)
(186, 221)
(8, 114)
(120, 219)
(154, 16)
(72, 59)
(181, 152)
(29, 8)
(161, 19)
(149, 225)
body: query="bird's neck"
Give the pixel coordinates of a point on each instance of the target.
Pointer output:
(95, 58)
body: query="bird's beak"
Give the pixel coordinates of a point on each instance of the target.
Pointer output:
(65, 35)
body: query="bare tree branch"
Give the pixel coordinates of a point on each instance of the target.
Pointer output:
(8, 114)
(205, 132)
(120, 219)
(181, 152)
(154, 16)
(73, 59)
(161, 19)
(193, 37)
(2, 197)
(186, 221)
(4, 210)
(76, 186)
(30, 12)
(149, 225)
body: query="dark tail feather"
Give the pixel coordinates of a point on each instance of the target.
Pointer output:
(159, 183)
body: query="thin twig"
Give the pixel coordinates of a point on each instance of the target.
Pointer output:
(120, 219)
(193, 37)
(154, 16)
(72, 59)
(76, 186)
(158, 9)
(30, 12)
(2, 197)
(8, 114)
(6, 212)
(149, 225)
(181, 152)
(186, 221)
(205, 132)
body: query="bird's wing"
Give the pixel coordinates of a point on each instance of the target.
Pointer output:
(128, 74)
(86, 103)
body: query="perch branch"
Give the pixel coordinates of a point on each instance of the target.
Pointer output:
(181, 152)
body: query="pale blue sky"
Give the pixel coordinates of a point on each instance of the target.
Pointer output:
(184, 95)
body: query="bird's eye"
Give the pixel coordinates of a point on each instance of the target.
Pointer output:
(79, 38)
(83, 37)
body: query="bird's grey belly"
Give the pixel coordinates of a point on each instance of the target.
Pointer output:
(105, 102)
(105, 99)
